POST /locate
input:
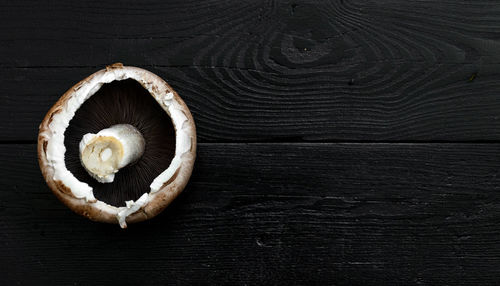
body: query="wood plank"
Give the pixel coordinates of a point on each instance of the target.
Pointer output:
(265, 71)
(278, 36)
(274, 214)
(238, 105)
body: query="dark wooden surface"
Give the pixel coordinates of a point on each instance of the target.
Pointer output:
(341, 142)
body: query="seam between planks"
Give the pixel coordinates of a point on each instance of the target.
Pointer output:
(477, 142)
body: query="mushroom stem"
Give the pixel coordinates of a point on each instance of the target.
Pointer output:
(105, 153)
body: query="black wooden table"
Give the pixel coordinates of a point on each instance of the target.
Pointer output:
(343, 142)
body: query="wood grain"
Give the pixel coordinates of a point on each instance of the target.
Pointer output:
(315, 73)
(456, 111)
(336, 214)
(270, 71)
(279, 36)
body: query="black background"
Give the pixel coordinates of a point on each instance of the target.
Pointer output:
(340, 142)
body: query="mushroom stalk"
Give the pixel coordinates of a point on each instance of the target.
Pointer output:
(105, 153)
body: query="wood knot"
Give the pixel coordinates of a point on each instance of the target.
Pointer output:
(303, 50)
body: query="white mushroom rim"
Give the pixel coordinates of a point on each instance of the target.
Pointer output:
(54, 135)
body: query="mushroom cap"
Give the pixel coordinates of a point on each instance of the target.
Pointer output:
(73, 193)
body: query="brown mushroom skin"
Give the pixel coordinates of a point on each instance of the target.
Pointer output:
(158, 201)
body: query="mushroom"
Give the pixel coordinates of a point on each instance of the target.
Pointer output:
(118, 146)
(113, 148)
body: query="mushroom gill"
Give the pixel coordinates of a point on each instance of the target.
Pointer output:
(123, 102)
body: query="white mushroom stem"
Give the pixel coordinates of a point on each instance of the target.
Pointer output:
(105, 153)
